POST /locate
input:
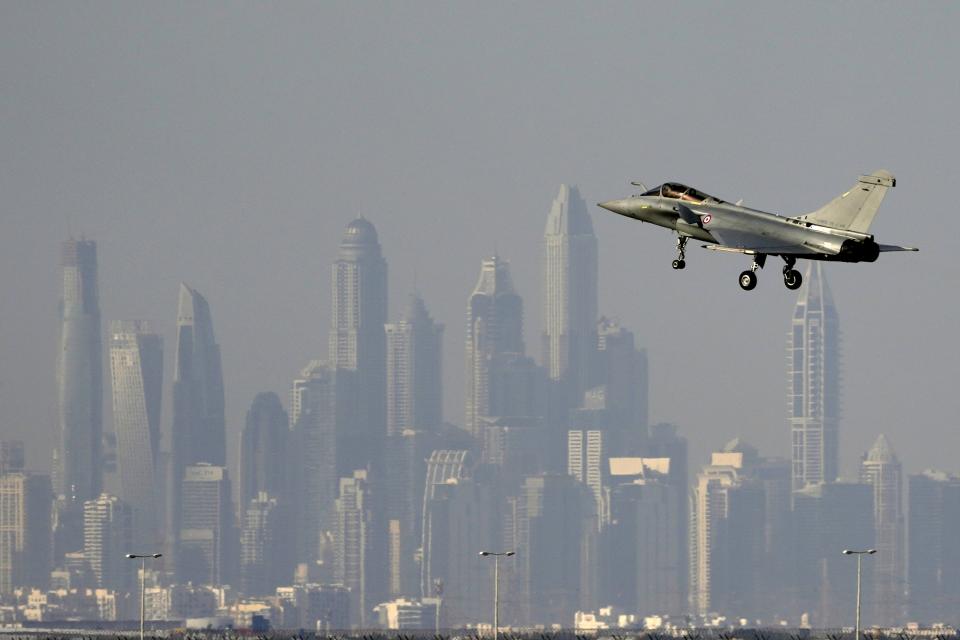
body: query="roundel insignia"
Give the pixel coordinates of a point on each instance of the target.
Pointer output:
(707, 218)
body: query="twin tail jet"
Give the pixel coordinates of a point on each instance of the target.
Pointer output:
(838, 231)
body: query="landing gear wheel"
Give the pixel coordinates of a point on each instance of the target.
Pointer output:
(679, 264)
(792, 279)
(748, 280)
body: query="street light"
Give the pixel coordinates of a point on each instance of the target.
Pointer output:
(851, 552)
(496, 586)
(143, 577)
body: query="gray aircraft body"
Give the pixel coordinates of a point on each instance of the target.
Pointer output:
(837, 231)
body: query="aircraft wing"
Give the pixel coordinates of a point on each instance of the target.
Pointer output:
(753, 243)
(893, 247)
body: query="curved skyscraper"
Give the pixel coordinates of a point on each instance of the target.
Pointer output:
(813, 372)
(494, 327)
(78, 470)
(569, 292)
(199, 427)
(136, 366)
(357, 338)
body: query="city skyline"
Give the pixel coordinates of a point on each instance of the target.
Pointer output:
(308, 167)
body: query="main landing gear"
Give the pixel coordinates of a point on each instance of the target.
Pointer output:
(680, 263)
(791, 277)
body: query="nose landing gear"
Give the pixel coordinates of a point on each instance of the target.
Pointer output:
(680, 263)
(748, 279)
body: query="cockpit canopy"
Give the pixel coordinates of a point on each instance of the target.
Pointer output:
(677, 191)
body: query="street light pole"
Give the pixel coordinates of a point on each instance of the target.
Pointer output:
(496, 586)
(859, 554)
(143, 577)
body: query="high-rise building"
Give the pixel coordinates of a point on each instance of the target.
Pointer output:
(444, 466)
(621, 375)
(556, 513)
(12, 458)
(78, 471)
(459, 520)
(107, 538)
(357, 338)
(813, 382)
(207, 536)
(414, 377)
(323, 420)
(934, 557)
(643, 550)
(198, 431)
(494, 327)
(263, 450)
(880, 468)
(266, 553)
(587, 453)
(406, 456)
(828, 518)
(570, 292)
(136, 367)
(25, 545)
(727, 528)
(357, 564)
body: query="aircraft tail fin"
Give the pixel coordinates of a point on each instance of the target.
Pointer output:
(855, 209)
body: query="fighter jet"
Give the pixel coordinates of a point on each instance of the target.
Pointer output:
(837, 231)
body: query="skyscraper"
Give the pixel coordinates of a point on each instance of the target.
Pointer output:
(79, 378)
(880, 468)
(107, 538)
(570, 292)
(556, 513)
(263, 450)
(356, 562)
(266, 553)
(414, 378)
(828, 518)
(494, 327)
(323, 422)
(357, 338)
(621, 369)
(934, 556)
(643, 550)
(199, 427)
(25, 550)
(136, 366)
(587, 453)
(207, 537)
(727, 528)
(813, 378)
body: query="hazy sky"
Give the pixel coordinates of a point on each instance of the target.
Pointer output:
(227, 145)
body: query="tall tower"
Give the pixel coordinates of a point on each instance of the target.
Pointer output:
(263, 450)
(570, 292)
(881, 469)
(107, 538)
(136, 367)
(79, 377)
(199, 426)
(25, 549)
(933, 555)
(322, 418)
(813, 379)
(357, 339)
(207, 536)
(414, 378)
(494, 327)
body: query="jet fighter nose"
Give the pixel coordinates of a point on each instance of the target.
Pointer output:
(623, 207)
